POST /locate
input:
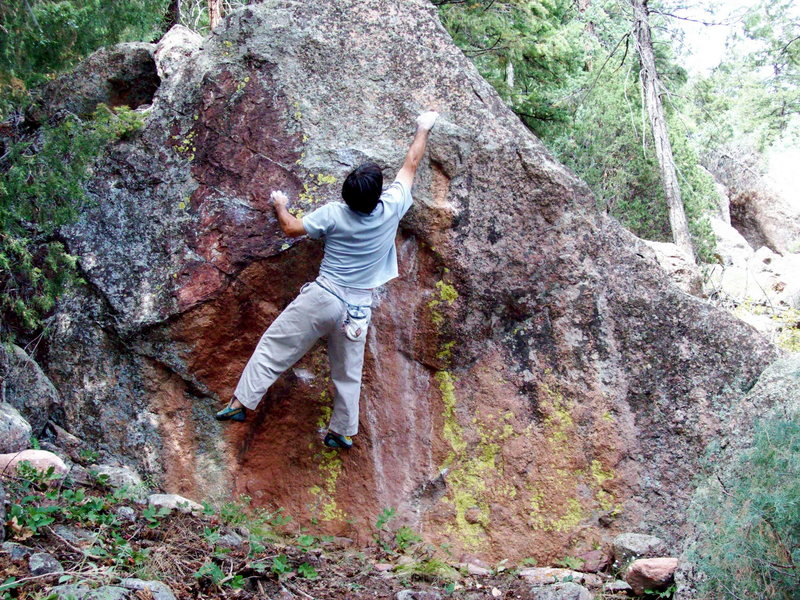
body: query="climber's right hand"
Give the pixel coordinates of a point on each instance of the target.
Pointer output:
(426, 120)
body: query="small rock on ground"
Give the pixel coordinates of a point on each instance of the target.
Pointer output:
(126, 513)
(158, 590)
(70, 592)
(417, 595)
(15, 551)
(121, 477)
(41, 563)
(629, 546)
(75, 535)
(2, 512)
(548, 575)
(594, 561)
(107, 592)
(561, 591)
(174, 502)
(651, 574)
(617, 586)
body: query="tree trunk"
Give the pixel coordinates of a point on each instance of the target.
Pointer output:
(658, 124)
(173, 16)
(214, 13)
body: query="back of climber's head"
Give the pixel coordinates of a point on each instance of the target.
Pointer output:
(362, 188)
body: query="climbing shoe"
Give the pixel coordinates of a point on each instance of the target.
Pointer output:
(334, 440)
(230, 414)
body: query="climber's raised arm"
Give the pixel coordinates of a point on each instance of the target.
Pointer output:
(291, 225)
(409, 169)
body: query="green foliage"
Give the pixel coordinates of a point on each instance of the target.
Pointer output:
(387, 514)
(88, 456)
(153, 515)
(429, 569)
(405, 537)
(306, 542)
(41, 38)
(235, 512)
(789, 336)
(571, 562)
(577, 87)
(211, 571)
(31, 478)
(540, 41)
(667, 593)
(307, 571)
(749, 519)
(27, 517)
(280, 565)
(41, 190)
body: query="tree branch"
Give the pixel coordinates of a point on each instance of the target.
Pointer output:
(674, 16)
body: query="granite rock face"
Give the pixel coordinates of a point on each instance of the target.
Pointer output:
(15, 431)
(29, 390)
(532, 376)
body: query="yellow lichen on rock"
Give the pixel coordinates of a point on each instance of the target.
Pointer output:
(556, 504)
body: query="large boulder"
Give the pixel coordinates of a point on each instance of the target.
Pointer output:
(122, 75)
(533, 377)
(41, 460)
(29, 390)
(15, 431)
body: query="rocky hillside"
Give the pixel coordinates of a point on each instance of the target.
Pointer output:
(534, 383)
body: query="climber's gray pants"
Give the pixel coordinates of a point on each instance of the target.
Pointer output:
(313, 314)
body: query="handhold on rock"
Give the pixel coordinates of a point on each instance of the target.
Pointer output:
(651, 574)
(41, 460)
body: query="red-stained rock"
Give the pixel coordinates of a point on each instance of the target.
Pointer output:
(651, 574)
(523, 374)
(594, 561)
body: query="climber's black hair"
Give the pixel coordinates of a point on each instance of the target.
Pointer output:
(362, 188)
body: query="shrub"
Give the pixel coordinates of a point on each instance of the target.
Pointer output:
(749, 520)
(41, 189)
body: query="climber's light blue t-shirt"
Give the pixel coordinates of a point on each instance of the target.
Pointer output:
(359, 249)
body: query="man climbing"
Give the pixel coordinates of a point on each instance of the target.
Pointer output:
(359, 256)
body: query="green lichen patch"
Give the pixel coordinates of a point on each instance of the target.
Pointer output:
(475, 470)
(556, 502)
(445, 294)
(330, 468)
